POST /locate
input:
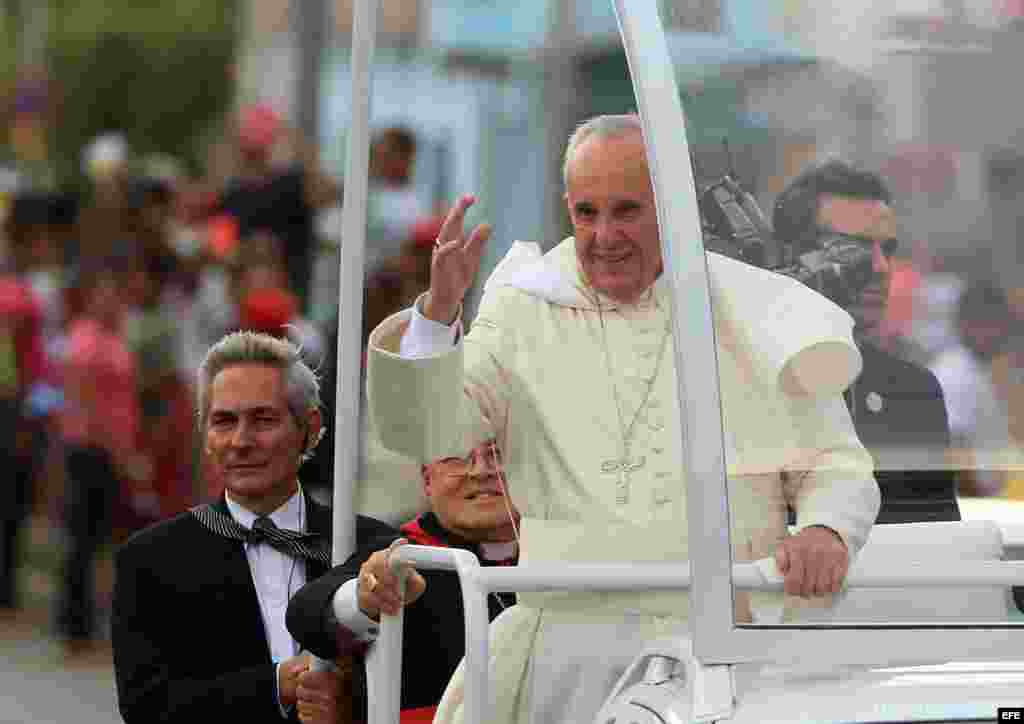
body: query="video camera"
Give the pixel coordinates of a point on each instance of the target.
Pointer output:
(733, 224)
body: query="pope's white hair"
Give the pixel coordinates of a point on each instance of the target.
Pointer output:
(302, 387)
(601, 127)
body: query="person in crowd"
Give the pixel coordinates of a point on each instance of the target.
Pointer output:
(395, 204)
(104, 228)
(933, 329)
(267, 305)
(100, 429)
(897, 406)
(39, 226)
(1008, 380)
(23, 370)
(397, 281)
(978, 414)
(198, 627)
(154, 334)
(571, 357)
(151, 204)
(213, 312)
(469, 509)
(281, 200)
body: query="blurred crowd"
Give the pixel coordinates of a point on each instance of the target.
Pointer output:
(110, 298)
(968, 329)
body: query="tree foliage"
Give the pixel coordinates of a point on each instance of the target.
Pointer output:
(157, 70)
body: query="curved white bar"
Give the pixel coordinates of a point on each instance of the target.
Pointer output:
(384, 665)
(431, 558)
(384, 668)
(545, 577)
(474, 601)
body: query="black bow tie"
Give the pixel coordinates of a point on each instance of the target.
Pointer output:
(308, 546)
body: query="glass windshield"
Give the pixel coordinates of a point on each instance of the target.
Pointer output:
(857, 192)
(873, 146)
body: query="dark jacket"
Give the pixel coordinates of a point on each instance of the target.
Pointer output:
(433, 641)
(899, 414)
(188, 637)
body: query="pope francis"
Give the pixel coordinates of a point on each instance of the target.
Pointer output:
(569, 362)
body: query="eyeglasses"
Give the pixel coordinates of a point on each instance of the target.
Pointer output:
(888, 246)
(455, 467)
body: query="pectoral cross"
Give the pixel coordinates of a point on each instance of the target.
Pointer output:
(623, 467)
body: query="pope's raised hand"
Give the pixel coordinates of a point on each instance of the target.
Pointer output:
(455, 263)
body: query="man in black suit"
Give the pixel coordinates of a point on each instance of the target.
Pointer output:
(199, 601)
(469, 509)
(897, 407)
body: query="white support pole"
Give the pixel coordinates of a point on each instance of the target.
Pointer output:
(697, 383)
(350, 290)
(350, 283)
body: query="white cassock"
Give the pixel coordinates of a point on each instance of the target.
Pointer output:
(534, 366)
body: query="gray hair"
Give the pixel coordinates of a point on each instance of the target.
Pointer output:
(302, 387)
(601, 127)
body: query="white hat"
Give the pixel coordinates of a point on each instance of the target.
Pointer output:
(105, 155)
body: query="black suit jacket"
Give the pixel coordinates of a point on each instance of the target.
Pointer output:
(433, 640)
(188, 637)
(897, 405)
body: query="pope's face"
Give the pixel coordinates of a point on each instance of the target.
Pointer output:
(253, 440)
(468, 496)
(611, 206)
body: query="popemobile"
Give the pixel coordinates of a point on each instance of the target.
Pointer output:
(927, 628)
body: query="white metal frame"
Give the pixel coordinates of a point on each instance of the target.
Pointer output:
(350, 289)
(716, 637)
(477, 582)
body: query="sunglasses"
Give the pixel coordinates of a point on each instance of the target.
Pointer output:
(888, 246)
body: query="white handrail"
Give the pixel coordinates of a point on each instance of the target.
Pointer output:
(762, 575)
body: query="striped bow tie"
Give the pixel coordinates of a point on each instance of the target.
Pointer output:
(308, 546)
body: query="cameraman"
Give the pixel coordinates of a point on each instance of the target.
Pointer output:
(841, 232)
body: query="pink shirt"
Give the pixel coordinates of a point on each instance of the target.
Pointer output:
(106, 412)
(21, 317)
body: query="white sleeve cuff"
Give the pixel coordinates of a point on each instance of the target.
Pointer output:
(345, 608)
(427, 338)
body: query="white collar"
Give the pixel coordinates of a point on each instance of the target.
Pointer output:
(290, 515)
(498, 551)
(554, 276)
